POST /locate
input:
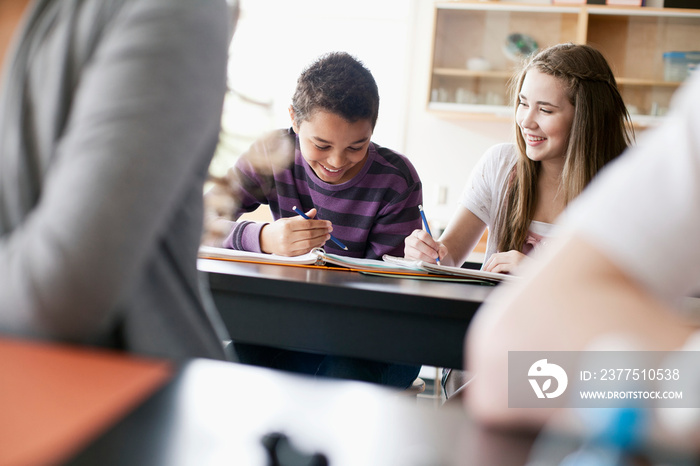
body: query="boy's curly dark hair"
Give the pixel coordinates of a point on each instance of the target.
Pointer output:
(338, 83)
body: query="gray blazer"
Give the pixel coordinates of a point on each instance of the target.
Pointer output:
(109, 115)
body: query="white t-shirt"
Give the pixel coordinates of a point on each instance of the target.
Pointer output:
(485, 191)
(537, 236)
(643, 211)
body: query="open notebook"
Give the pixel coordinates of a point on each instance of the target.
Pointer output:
(447, 270)
(316, 257)
(389, 264)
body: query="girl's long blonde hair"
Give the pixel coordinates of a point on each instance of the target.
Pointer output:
(601, 130)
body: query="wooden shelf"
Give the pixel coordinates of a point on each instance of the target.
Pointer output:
(499, 112)
(471, 73)
(646, 82)
(504, 113)
(633, 40)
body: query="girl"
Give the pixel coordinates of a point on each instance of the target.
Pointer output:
(570, 121)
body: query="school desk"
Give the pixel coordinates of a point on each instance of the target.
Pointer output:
(77, 406)
(64, 405)
(344, 313)
(56, 399)
(215, 413)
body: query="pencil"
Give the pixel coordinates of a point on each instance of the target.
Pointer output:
(333, 238)
(427, 228)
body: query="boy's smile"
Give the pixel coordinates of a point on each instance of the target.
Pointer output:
(334, 148)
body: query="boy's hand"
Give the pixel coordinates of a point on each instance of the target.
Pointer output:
(293, 236)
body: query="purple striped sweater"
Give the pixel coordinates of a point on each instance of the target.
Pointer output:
(371, 214)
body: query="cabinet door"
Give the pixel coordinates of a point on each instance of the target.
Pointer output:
(634, 43)
(472, 64)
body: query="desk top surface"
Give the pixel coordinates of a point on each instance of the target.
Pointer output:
(216, 413)
(79, 406)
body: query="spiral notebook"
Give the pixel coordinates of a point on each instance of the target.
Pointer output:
(447, 270)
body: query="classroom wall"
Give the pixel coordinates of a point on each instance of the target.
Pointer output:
(444, 149)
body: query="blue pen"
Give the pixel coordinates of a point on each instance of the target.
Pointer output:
(333, 238)
(427, 228)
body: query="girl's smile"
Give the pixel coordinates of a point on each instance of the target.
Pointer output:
(544, 116)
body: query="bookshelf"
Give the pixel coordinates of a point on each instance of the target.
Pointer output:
(471, 68)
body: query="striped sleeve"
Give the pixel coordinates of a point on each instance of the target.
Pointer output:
(399, 216)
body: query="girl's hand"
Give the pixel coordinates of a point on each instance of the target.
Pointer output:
(293, 236)
(421, 246)
(504, 262)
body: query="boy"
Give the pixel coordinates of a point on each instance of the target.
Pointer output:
(326, 165)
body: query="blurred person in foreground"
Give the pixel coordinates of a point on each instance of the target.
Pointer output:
(109, 116)
(627, 256)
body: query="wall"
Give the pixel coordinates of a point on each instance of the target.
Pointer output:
(444, 149)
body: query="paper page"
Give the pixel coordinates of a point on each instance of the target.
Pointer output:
(208, 252)
(368, 264)
(402, 261)
(446, 270)
(471, 273)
